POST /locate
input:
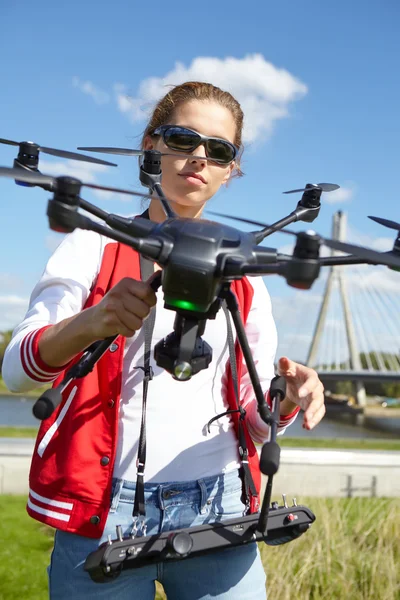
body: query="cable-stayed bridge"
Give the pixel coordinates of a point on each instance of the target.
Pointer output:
(348, 326)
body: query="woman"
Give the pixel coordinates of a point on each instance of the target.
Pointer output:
(84, 464)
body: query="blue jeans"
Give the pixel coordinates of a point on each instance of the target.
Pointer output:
(232, 574)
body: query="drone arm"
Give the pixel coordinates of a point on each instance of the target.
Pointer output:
(262, 270)
(261, 235)
(165, 204)
(301, 213)
(92, 209)
(331, 261)
(131, 226)
(66, 218)
(233, 308)
(269, 262)
(149, 248)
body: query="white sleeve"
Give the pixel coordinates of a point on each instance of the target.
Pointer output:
(262, 336)
(60, 293)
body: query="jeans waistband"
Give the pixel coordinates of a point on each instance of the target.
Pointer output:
(227, 479)
(172, 492)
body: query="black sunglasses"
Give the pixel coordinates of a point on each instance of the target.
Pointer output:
(185, 140)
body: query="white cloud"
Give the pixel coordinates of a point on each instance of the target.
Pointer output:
(375, 278)
(8, 281)
(13, 300)
(292, 309)
(73, 168)
(89, 88)
(86, 172)
(383, 244)
(264, 90)
(12, 310)
(340, 196)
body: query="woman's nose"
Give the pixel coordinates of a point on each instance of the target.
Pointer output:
(199, 153)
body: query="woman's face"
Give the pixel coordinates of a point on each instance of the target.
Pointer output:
(179, 185)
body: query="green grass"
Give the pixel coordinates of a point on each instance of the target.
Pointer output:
(18, 432)
(285, 442)
(352, 552)
(24, 552)
(340, 443)
(4, 391)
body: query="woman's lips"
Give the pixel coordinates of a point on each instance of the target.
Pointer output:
(193, 178)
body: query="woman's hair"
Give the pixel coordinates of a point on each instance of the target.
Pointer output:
(197, 90)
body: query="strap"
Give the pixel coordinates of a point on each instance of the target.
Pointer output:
(139, 509)
(248, 483)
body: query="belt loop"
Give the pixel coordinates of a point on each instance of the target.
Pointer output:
(160, 497)
(116, 495)
(203, 496)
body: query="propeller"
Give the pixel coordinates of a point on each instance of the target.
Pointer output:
(107, 150)
(386, 223)
(359, 251)
(48, 180)
(325, 187)
(26, 146)
(130, 152)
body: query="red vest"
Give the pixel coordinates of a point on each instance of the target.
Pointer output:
(72, 464)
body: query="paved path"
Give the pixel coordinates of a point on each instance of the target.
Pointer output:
(302, 472)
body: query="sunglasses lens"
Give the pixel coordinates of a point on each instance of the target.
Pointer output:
(178, 138)
(185, 140)
(220, 151)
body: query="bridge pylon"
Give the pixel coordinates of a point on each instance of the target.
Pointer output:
(335, 275)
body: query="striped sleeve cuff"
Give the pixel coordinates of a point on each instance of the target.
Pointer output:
(285, 420)
(31, 361)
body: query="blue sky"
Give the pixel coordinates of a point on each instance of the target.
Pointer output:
(320, 81)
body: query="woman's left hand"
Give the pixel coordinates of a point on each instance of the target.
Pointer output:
(303, 388)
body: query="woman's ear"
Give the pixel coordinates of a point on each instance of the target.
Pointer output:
(148, 143)
(228, 173)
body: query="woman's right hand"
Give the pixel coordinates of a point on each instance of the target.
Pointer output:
(121, 312)
(123, 309)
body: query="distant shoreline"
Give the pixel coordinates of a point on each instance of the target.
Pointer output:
(32, 394)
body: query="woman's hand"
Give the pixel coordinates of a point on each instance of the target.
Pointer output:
(123, 309)
(304, 389)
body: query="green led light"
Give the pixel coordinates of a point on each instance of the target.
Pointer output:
(183, 304)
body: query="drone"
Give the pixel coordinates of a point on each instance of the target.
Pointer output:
(200, 259)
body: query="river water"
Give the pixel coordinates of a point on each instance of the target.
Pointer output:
(16, 411)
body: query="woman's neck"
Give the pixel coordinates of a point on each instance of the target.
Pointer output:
(157, 214)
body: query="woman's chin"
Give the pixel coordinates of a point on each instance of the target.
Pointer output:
(195, 201)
